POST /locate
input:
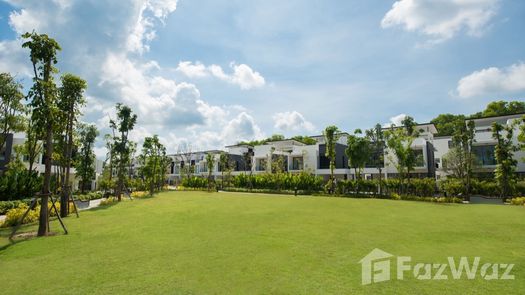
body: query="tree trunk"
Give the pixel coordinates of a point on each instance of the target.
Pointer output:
(64, 200)
(43, 224)
(380, 179)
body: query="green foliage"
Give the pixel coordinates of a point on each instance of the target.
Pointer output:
(43, 96)
(195, 182)
(519, 201)
(331, 134)
(89, 196)
(502, 108)
(7, 205)
(18, 183)
(121, 147)
(154, 163)
(11, 107)
(305, 139)
(273, 181)
(504, 154)
(108, 201)
(85, 160)
(14, 215)
(446, 123)
(358, 151)
(400, 140)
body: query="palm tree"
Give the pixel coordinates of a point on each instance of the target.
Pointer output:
(331, 134)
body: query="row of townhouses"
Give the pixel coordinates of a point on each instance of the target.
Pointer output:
(298, 157)
(9, 153)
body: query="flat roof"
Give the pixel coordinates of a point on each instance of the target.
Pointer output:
(493, 117)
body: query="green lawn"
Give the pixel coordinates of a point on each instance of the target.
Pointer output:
(195, 242)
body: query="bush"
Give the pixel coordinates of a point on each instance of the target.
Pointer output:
(89, 196)
(518, 201)
(17, 185)
(7, 205)
(195, 182)
(395, 196)
(108, 201)
(452, 187)
(13, 215)
(140, 194)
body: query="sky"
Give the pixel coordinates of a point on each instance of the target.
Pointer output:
(211, 73)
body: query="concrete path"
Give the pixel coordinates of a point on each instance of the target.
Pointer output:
(2, 218)
(93, 204)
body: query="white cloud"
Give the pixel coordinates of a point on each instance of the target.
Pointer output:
(106, 56)
(191, 70)
(14, 59)
(292, 121)
(243, 76)
(441, 20)
(151, 13)
(242, 127)
(492, 81)
(395, 120)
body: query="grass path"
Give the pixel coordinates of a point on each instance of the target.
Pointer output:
(194, 242)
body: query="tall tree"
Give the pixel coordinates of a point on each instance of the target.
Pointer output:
(358, 152)
(223, 165)
(123, 125)
(502, 108)
(460, 160)
(43, 54)
(504, 154)
(331, 135)
(378, 145)
(210, 163)
(11, 107)
(85, 164)
(521, 135)
(153, 163)
(446, 123)
(399, 141)
(71, 99)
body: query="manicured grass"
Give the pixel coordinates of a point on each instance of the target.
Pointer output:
(216, 243)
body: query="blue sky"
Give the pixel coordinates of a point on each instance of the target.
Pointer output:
(214, 72)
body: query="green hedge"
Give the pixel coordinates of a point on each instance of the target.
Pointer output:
(8, 205)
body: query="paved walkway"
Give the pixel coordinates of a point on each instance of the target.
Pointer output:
(2, 218)
(93, 204)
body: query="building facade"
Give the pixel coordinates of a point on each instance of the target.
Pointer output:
(294, 157)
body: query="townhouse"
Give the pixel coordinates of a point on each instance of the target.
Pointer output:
(294, 156)
(17, 139)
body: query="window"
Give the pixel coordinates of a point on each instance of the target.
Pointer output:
(420, 159)
(261, 165)
(297, 163)
(484, 154)
(376, 159)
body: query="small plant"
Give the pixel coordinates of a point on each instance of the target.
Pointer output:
(108, 201)
(14, 215)
(140, 194)
(518, 201)
(395, 196)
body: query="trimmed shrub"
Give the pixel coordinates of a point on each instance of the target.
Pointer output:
(518, 201)
(13, 215)
(108, 201)
(141, 194)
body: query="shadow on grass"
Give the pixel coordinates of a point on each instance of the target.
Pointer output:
(26, 232)
(101, 207)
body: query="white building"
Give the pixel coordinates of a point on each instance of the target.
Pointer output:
(297, 156)
(9, 152)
